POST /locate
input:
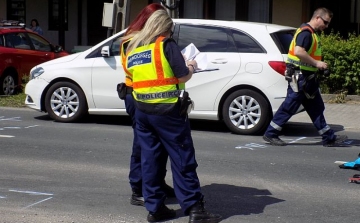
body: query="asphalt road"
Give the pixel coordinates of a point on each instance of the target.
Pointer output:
(77, 173)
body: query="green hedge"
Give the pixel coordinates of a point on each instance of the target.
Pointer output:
(343, 58)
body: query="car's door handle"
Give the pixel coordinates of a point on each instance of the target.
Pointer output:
(219, 61)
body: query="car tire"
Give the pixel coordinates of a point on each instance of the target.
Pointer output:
(246, 112)
(65, 102)
(8, 84)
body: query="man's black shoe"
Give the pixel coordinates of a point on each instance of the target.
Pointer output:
(137, 199)
(164, 213)
(169, 191)
(275, 141)
(338, 139)
(198, 214)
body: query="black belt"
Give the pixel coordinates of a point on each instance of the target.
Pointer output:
(129, 90)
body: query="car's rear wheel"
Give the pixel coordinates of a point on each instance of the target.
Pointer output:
(246, 112)
(65, 102)
(8, 84)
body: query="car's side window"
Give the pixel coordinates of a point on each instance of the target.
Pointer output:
(19, 41)
(245, 43)
(1, 40)
(7, 39)
(39, 43)
(115, 47)
(206, 38)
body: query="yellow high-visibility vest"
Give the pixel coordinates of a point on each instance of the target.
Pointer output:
(128, 75)
(314, 51)
(153, 78)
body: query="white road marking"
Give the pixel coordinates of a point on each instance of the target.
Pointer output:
(12, 127)
(32, 126)
(10, 119)
(38, 202)
(31, 192)
(6, 136)
(1, 197)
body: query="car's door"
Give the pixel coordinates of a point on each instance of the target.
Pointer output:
(107, 72)
(223, 61)
(19, 51)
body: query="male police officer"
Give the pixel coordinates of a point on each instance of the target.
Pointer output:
(305, 56)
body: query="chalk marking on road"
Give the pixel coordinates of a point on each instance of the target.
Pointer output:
(10, 119)
(298, 139)
(6, 136)
(348, 142)
(31, 126)
(255, 145)
(38, 202)
(243, 147)
(31, 192)
(250, 146)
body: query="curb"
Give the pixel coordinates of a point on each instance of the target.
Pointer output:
(332, 98)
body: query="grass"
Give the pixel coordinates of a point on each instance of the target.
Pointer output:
(17, 101)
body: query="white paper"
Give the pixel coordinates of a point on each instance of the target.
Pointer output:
(190, 52)
(202, 61)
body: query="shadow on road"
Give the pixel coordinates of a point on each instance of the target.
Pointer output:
(229, 200)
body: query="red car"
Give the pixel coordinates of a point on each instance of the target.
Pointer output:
(20, 50)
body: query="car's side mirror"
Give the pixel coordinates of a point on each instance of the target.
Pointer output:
(58, 49)
(105, 51)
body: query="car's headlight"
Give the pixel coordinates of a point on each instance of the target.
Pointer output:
(36, 72)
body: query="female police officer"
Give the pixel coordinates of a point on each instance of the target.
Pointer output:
(159, 75)
(135, 176)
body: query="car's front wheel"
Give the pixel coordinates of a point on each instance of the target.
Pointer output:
(7, 84)
(246, 112)
(65, 102)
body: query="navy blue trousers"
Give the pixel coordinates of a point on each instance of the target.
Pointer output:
(172, 133)
(135, 174)
(314, 107)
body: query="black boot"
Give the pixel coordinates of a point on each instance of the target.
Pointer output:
(137, 199)
(198, 214)
(169, 191)
(164, 213)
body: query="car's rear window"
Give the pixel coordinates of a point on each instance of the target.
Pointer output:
(283, 40)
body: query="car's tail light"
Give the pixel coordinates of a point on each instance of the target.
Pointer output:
(278, 66)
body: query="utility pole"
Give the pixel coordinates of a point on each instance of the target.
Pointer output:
(122, 14)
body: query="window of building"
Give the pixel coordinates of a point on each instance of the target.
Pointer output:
(58, 14)
(16, 10)
(225, 10)
(259, 11)
(193, 9)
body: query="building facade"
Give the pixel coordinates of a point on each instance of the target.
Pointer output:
(82, 19)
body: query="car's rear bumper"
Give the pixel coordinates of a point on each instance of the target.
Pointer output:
(33, 91)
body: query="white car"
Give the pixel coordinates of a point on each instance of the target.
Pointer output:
(244, 85)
